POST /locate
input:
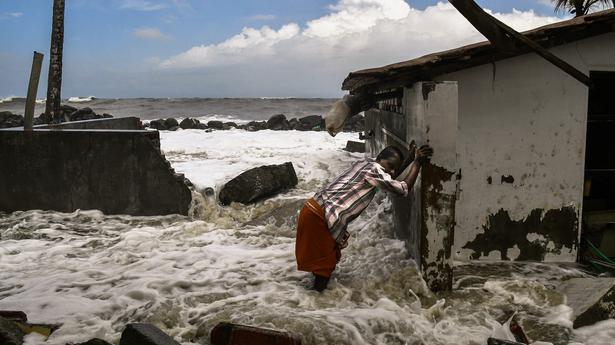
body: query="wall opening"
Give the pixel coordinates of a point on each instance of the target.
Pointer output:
(598, 233)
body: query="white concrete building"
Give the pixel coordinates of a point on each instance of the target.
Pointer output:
(516, 141)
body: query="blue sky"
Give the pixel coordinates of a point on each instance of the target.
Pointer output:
(135, 48)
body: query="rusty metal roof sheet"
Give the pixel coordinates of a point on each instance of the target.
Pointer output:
(429, 66)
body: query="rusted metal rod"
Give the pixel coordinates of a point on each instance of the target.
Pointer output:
(35, 73)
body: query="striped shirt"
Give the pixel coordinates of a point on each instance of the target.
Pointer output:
(351, 192)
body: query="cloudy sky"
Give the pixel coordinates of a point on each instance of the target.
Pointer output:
(239, 48)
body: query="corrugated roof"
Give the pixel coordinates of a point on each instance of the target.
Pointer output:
(429, 66)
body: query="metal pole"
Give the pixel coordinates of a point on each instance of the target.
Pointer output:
(35, 73)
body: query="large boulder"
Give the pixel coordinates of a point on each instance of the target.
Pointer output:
(189, 123)
(82, 114)
(10, 333)
(292, 123)
(67, 110)
(310, 123)
(170, 123)
(258, 183)
(145, 334)
(278, 122)
(158, 124)
(215, 124)
(254, 126)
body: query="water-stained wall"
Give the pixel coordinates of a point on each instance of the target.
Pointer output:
(521, 147)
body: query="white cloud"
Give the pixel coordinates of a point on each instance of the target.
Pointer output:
(263, 17)
(142, 5)
(10, 15)
(315, 59)
(149, 33)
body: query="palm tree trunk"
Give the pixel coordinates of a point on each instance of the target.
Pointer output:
(579, 9)
(54, 80)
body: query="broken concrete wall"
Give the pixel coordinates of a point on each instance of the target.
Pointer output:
(117, 172)
(521, 147)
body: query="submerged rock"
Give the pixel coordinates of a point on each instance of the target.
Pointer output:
(145, 334)
(283, 214)
(258, 183)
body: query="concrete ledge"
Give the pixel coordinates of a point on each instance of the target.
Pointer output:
(115, 171)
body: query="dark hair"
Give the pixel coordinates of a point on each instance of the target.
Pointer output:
(390, 152)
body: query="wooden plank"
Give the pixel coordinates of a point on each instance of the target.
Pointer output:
(504, 37)
(35, 73)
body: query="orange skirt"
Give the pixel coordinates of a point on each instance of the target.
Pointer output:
(315, 249)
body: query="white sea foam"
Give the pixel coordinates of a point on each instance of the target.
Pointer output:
(211, 159)
(81, 99)
(94, 273)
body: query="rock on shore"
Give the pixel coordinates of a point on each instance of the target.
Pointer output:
(277, 122)
(69, 113)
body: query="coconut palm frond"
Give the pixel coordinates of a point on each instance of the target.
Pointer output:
(580, 7)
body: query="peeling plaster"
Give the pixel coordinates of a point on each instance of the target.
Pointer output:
(539, 234)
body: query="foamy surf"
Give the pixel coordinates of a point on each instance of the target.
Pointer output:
(93, 273)
(81, 99)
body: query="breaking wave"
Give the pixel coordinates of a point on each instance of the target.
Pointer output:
(81, 99)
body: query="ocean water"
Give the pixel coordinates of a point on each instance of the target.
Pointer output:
(155, 108)
(93, 273)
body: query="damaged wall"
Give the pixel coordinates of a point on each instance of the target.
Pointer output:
(115, 171)
(521, 147)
